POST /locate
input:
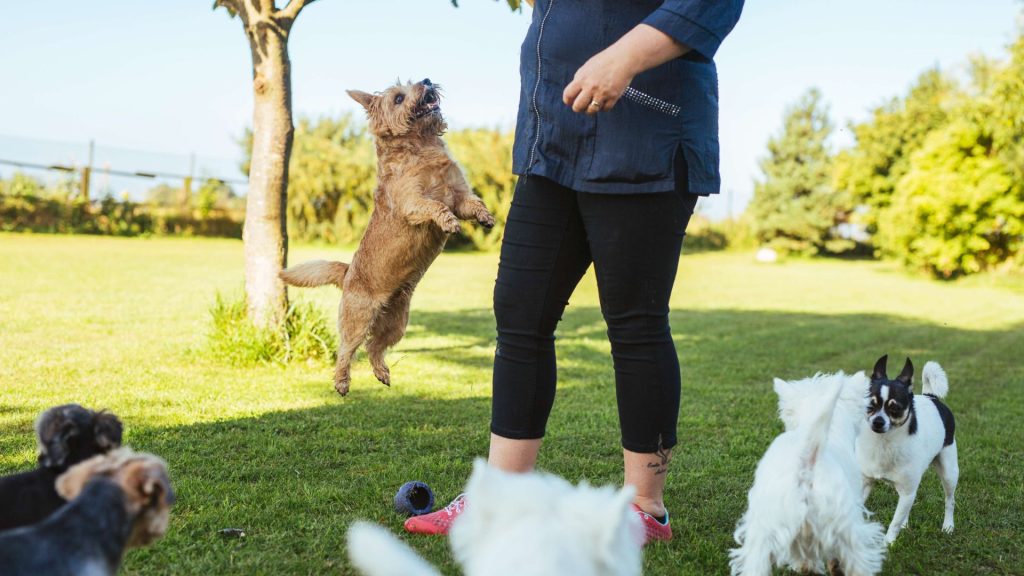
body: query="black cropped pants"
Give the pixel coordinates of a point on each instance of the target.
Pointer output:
(552, 236)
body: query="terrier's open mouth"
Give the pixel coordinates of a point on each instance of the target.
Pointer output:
(429, 104)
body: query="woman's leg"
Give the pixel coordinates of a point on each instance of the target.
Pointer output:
(635, 241)
(544, 254)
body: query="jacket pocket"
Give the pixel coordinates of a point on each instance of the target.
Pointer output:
(635, 141)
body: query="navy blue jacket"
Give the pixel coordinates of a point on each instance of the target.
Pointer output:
(670, 109)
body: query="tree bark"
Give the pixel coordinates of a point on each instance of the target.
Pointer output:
(265, 234)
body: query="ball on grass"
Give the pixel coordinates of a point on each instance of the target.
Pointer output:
(414, 498)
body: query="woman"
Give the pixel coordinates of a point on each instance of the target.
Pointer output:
(616, 139)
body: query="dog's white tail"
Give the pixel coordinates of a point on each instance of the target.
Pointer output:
(315, 273)
(815, 432)
(376, 552)
(934, 379)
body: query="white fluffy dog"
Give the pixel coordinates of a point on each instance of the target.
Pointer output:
(805, 510)
(523, 525)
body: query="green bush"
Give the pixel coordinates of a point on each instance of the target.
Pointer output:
(939, 174)
(958, 210)
(486, 159)
(703, 235)
(795, 208)
(233, 339)
(26, 205)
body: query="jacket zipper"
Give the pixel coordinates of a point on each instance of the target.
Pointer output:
(536, 87)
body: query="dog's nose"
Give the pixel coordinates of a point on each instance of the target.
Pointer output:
(878, 425)
(426, 82)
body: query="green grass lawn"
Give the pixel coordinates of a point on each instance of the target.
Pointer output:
(119, 323)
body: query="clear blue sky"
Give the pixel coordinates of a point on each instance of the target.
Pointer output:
(174, 76)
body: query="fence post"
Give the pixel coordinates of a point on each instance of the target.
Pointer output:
(87, 174)
(186, 199)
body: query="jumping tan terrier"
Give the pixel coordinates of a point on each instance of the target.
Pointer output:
(421, 196)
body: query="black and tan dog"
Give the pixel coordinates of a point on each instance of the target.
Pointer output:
(115, 501)
(67, 435)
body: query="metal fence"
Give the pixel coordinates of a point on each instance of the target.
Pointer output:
(99, 170)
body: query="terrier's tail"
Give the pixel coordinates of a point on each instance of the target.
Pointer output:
(815, 432)
(315, 273)
(934, 379)
(376, 552)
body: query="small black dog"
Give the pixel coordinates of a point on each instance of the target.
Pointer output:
(67, 435)
(115, 501)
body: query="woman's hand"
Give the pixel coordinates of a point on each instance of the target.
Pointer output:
(600, 82)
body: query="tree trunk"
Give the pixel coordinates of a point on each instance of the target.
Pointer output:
(265, 234)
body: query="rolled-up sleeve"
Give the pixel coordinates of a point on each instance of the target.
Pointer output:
(699, 24)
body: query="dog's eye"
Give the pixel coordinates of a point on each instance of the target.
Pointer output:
(399, 98)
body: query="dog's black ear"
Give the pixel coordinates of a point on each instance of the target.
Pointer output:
(364, 98)
(107, 431)
(906, 377)
(879, 372)
(54, 450)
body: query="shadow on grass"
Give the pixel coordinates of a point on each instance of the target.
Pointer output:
(295, 480)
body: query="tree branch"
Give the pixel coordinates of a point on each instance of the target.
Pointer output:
(232, 6)
(291, 11)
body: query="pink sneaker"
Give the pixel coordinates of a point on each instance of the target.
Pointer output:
(437, 522)
(654, 530)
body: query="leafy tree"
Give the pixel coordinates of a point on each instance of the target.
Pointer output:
(265, 235)
(795, 208)
(885, 143)
(211, 195)
(1006, 117)
(958, 210)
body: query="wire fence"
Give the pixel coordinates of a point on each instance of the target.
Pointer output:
(100, 170)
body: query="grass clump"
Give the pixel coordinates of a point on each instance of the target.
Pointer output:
(303, 335)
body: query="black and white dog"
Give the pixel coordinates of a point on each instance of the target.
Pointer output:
(67, 435)
(907, 434)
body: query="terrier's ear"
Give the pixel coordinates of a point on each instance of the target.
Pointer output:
(364, 98)
(781, 387)
(107, 430)
(906, 377)
(879, 372)
(147, 479)
(157, 487)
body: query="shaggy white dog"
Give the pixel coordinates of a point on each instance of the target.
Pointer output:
(522, 525)
(805, 510)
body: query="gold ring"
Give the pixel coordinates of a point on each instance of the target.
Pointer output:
(595, 103)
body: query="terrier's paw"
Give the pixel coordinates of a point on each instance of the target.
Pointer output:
(450, 224)
(383, 374)
(890, 537)
(485, 218)
(341, 386)
(947, 527)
